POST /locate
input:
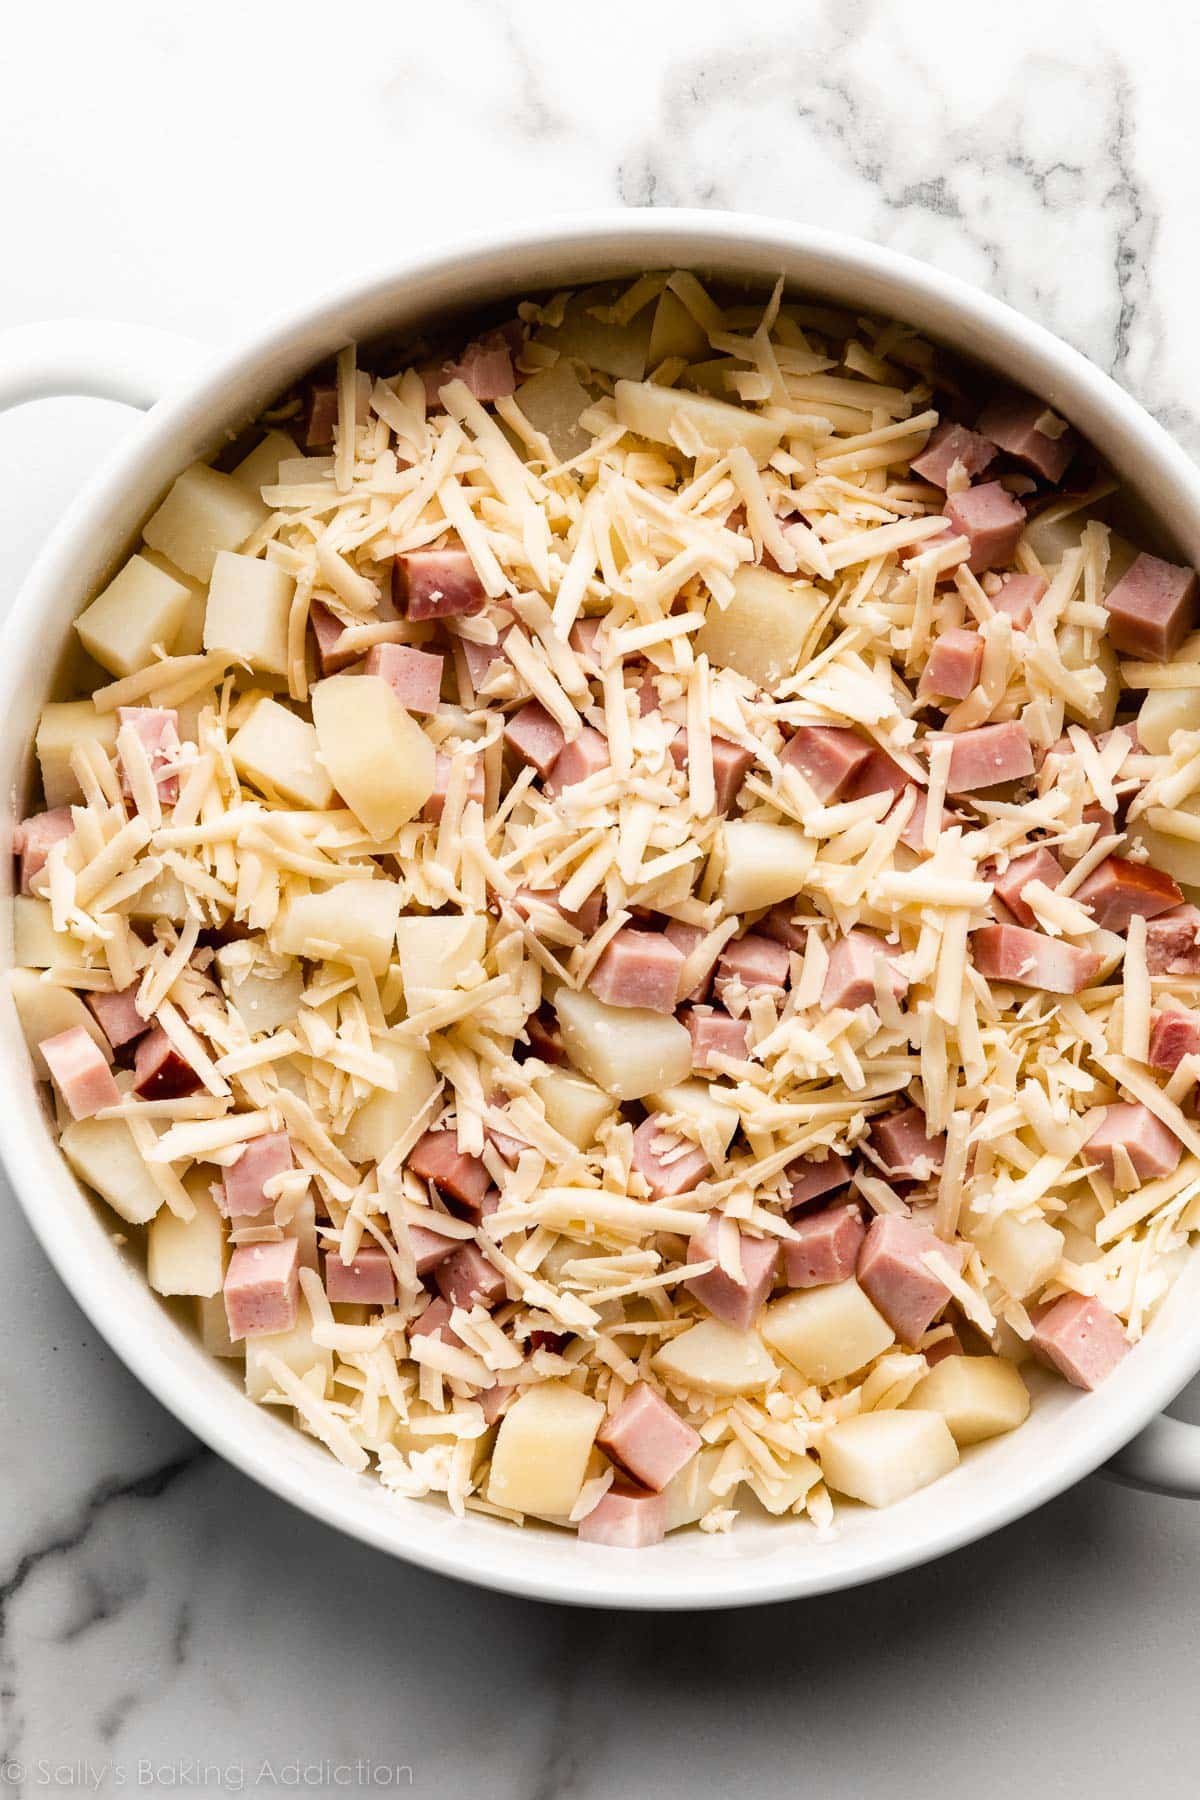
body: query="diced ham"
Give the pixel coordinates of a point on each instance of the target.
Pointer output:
(988, 755)
(754, 961)
(435, 1322)
(437, 584)
(585, 918)
(1011, 422)
(158, 729)
(813, 1178)
(481, 659)
(34, 837)
(668, 1164)
(895, 1278)
(582, 639)
(1080, 1338)
(494, 1401)
(945, 1346)
(778, 924)
(1031, 959)
(714, 1033)
(414, 676)
(262, 1288)
(1017, 596)
(468, 1277)
(685, 938)
(585, 755)
(535, 737)
(736, 1303)
(850, 977)
(367, 1279)
(1152, 608)
(954, 664)
(321, 414)
(638, 968)
(904, 1147)
(1151, 1146)
(545, 1039)
(262, 1158)
(878, 775)
(825, 1248)
(435, 806)
(991, 519)
(949, 444)
(828, 757)
(461, 1180)
(1173, 942)
(80, 1072)
(913, 834)
(627, 1518)
(329, 635)
(159, 1072)
(486, 366)
(1119, 890)
(730, 761)
(1040, 865)
(429, 1248)
(117, 1015)
(1174, 1034)
(647, 1438)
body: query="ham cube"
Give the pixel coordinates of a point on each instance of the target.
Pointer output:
(367, 1280)
(827, 756)
(1173, 942)
(467, 1277)
(585, 755)
(329, 635)
(33, 838)
(685, 938)
(735, 1302)
(429, 1248)
(1151, 1146)
(437, 584)
(1080, 1338)
(582, 639)
(989, 755)
(535, 737)
(486, 367)
(627, 1518)
(414, 676)
(435, 806)
(481, 659)
(825, 1248)
(904, 1147)
(949, 444)
(811, 1179)
(778, 924)
(638, 968)
(755, 962)
(730, 766)
(1174, 1034)
(850, 977)
(991, 520)
(159, 1072)
(80, 1072)
(714, 1033)
(945, 1346)
(586, 917)
(1011, 422)
(668, 1164)
(262, 1158)
(435, 1322)
(1119, 890)
(117, 1015)
(1152, 608)
(1017, 596)
(913, 834)
(647, 1439)
(1040, 865)
(877, 775)
(262, 1288)
(321, 414)
(1031, 959)
(893, 1273)
(461, 1180)
(954, 664)
(545, 1039)
(157, 728)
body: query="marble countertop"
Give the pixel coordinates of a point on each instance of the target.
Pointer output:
(164, 1625)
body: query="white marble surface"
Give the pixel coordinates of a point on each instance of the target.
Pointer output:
(163, 1625)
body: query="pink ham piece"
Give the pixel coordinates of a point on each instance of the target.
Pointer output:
(1040, 865)
(80, 1072)
(954, 664)
(159, 1072)
(730, 766)
(435, 806)
(437, 584)
(736, 1303)
(778, 924)
(1080, 1338)
(945, 1346)
(535, 738)
(913, 834)
(714, 1033)
(1118, 891)
(242, 1193)
(828, 757)
(895, 1278)
(638, 968)
(1173, 942)
(647, 1438)
(812, 1179)
(485, 366)
(685, 938)
(904, 1147)
(468, 1277)
(1031, 959)
(949, 444)
(321, 416)
(461, 1180)
(754, 961)
(367, 1280)
(585, 755)
(991, 520)
(850, 977)
(262, 1288)
(627, 1518)
(989, 755)
(414, 676)
(878, 775)
(825, 1248)
(329, 635)
(1152, 608)
(668, 1164)
(1011, 422)
(435, 1322)
(585, 918)
(1174, 1034)
(117, 1015)
(1151, 1146)
(157, 728)
(494, 1401)
(33, 839)
(1017, 596)
(582, 639)
(429, 1248)
(481, 659)
(545, 1039)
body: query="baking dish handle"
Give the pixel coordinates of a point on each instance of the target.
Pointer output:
(136, 364)
(1164, 1458)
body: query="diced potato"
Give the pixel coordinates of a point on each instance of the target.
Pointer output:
(552, 401)
(763, 863)
(380, 760)
(265, 1000)
(613, 349)
(36, 944)
(827, 1332)
(781, 1496)
(140, 607)
(689, 1494)
(437, 954)
(249, 600)
(212, 1328)
(1165, 711)
(1080, 650)
(295, 1348)
(1022, 1253)
(713, 1358)
(882, 1457)
(277, 752)
(189, 639)
(978, 1396)
(765, 630)
(675, 333)
(542, 1448)
(628, 1050)
(386, 1116)
(574, 1107)
(102, 1153)
(261, 468)
(357, 918)
(203, 514)
(163, 898)
(1079, 1246)
(187, 1256)
(701, 1102)
(1178, 857)
(63, 725)
(657, 412)
(44, 1010)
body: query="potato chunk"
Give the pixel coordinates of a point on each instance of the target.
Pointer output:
(628, 1050)
(827, 1332)
(763, 863)
(36, 944)
(357, 918)
(574, 1107)
(140, 607)
(542, 1449)
(689, 1494)
(700, 1101)
(63, 725)
(265, 998)
(276, 751)
(552, 400)
(714, 1358)
(764, 631)
(1022, 1253)
(658, 412)
(1165, 711)
(436, 954)
(204, 512)
(675, 333)
(386, 1116)
(882, 1457)
(1178, 857)
(261, 467)
(380, 760)
(583, 338)
(296, 1348)
(45, 1010)
(978, 1396)
(102, 1153)
(248, 605)
(187, 1256)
